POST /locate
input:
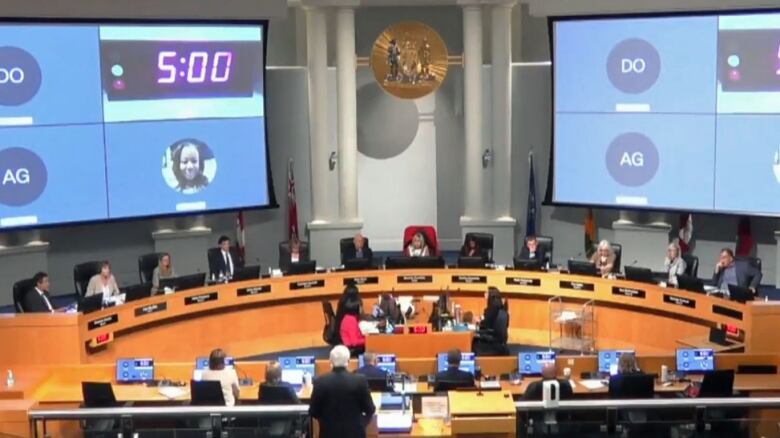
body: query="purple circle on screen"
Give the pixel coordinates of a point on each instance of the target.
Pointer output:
(23, 176)
(20, 76)
(633, 66)
(632, 159)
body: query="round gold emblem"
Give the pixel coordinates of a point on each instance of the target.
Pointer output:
(409, 60)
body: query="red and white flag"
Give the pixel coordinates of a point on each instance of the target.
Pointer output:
(686, 232)
(745, 240)
(292, 205)
(240, 236)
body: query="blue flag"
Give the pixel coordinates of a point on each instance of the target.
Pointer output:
(530, 222)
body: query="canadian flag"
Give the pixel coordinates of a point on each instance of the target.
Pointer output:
(686, 232)
(292, 204)
(240, 236)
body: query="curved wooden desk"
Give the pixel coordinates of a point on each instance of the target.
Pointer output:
(278, 314)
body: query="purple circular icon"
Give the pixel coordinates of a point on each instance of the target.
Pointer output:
(23, 176)
(20, 76)
(633, 66)
(632, 159)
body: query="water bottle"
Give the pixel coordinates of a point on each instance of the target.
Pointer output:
(10, 380)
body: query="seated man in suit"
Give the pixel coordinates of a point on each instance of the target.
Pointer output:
(369, 368)
(224, 262)
(37, 299)
(274, 391)
(454, 376)
(737, 272)
(359, 249)
(549, 372)
(531, 250)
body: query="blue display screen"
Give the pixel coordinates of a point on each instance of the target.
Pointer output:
(385, 362)
(295, 368)
(467, 362)
(202, 363)
(102, 122)
(608, 360)
(695, 360)
(645, 106)
(134, 370)
(531, 362)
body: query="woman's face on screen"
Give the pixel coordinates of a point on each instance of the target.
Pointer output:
(190, 162)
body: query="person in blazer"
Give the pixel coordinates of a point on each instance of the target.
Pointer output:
(359, 249)
(454, 375)
(37, 299)
(341, 401)
(103, 283)
(224, 262)
(369, 368)
(736, 272)
(532, 250)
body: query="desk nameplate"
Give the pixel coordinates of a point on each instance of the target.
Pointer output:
(415, 279)
(254, 290)
(361, 280)
(725, 311)
(102, 322)
(577, 285)
(629, 292)
(679, 301)
(523, 281)
(307, 284)
(151, 308)
(469, 279)
(201, 298)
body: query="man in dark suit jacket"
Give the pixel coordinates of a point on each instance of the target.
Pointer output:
(532, 251)
(224, 261)
(737, 272)
(549, 372)
(37, 299)
(369, 368)
(340, 400)
(358, 249)
(454, 377)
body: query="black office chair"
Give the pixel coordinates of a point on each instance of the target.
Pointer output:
(81, 275)
(451, 385)
(633, 386)
(718, 383)
(278, 395)
(19, 289)
(347, 243)
(284, 254)
(484, 241)
(330, 333)
(723, 421)
(146, 265)
(99, 395)
(691, 265)
(753, 261)
(206, 393)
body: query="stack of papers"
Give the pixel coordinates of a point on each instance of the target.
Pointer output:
(172, 392)
(592, 384)
(394, 421)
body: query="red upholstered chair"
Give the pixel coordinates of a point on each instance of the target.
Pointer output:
(428, 231)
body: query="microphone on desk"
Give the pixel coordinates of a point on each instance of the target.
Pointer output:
(579, 254)
(245, 380)
(633, 263)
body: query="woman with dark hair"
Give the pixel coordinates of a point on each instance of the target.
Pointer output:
(348, 320)
(471, 248)
(388, 309)
(189, 162)
(227, 378)
(491, 339)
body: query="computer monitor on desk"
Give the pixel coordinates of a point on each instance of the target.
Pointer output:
(471, 262)
(358, 264)
(531, 362)
(534, 264)
(246, 273)
(608, 360)
(137, 292)
(692, 284)
(136, 370)
(295, 368)
(695, 360)
(467, 362)
(583, 267)
(403, 262)
(178, 284)
(740, 293)
(642, 275)
(385, 362)
(90, 304)
(302, 267)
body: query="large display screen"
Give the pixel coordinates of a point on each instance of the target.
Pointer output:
(122, 120)
(668, 112)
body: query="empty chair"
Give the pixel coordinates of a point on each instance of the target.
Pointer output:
(19, 289)
(82, 273)
(98, 395)
(206, 393)
(691, 265)
(484, 242)
(718, 383)
(330, 333)
(146, 265)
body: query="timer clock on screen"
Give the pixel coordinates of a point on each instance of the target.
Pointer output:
(137, 120)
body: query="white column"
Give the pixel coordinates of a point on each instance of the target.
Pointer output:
(347, 112)
(501, 39)
(472, 78)
(317, 54)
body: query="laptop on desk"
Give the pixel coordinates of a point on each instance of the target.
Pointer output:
(740, 293)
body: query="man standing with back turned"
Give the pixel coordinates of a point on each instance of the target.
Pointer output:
(340, 400)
